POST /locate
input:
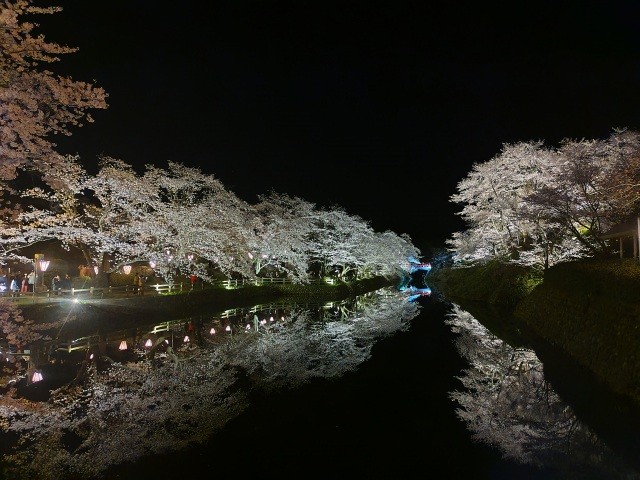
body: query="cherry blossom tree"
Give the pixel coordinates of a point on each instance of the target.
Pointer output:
(495, 197)
(195, 221)
(281, 240)
(537, 206)
(338, 240)
(387, 254)
(34, 103)
(622, 186)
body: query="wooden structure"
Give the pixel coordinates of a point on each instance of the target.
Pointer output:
(625, 232)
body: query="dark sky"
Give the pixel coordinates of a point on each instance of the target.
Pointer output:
(379, 107)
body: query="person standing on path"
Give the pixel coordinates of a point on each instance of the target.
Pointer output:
(14, 287)
(31, 281)
(140, 285)
(136, 281)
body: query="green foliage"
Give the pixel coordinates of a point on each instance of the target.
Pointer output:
(496, 283)
(590, 309)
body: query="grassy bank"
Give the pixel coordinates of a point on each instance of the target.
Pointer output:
(589, 309)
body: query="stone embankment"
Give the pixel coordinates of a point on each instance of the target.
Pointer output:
(589, 309)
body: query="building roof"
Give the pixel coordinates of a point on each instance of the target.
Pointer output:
(628, 228)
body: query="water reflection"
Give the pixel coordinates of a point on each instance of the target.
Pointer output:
(506, 402)
(194, 377)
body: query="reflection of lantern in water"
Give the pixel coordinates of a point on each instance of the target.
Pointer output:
(148, 343)
(37, 376)
(123, 345)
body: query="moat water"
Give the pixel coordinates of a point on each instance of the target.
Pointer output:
(398, 389)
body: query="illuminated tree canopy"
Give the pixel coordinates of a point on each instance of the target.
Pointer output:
(539, 206)
(34, 102)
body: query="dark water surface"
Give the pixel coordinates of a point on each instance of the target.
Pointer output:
(437, 396)
(392, 418)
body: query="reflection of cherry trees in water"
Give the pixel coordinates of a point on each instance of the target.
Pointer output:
(181, 398)
(506, 402)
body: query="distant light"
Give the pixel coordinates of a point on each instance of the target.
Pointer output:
(148, 343)
(212, 331)
(76, 300)
(95, 269)
(250, 256)
(37, 376)
(126, 269)
(91, 357)
(123, 345)
(228, 329)
(248, 327)
(271, 319)
(186, 339)
(152, 264)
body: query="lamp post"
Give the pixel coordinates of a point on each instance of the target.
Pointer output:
(43, 264)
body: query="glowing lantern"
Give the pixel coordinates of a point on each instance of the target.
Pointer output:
(212, 331)
(148, 343)
(37, 376)
(123, 345)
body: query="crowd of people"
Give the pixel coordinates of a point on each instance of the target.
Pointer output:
(17, 283)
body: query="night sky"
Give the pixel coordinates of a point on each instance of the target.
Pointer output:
(379, 107)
